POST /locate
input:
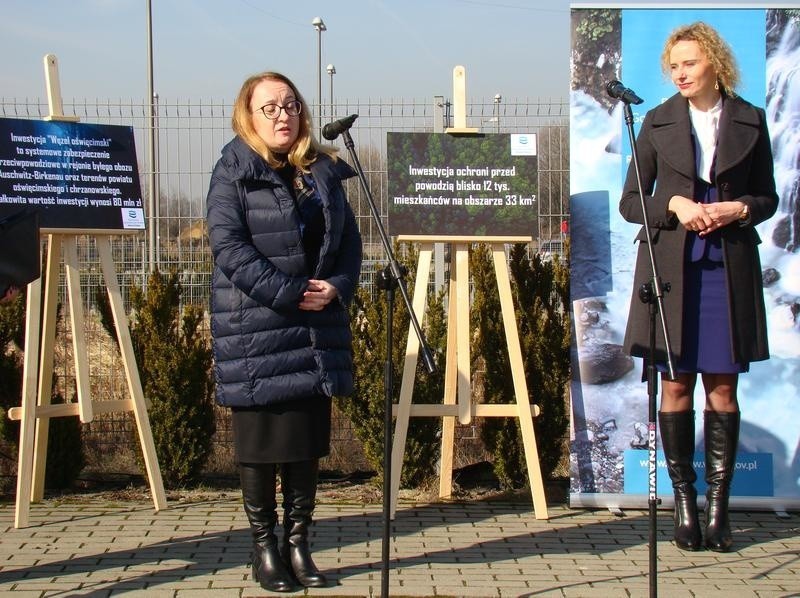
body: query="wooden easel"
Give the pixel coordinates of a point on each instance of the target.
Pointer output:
(457, 386)
(40, 339)
(457, 382)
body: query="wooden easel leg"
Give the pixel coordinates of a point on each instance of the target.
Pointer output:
(132, 375)
(45, 374)
(28, 422)
(450, 387)
(462, 334)
(520, 385)
(409, 371)
(79, 351)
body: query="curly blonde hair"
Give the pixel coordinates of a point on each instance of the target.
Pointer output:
(305, 148)
(715, 48)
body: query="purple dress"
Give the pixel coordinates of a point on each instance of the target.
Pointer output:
(707, 345)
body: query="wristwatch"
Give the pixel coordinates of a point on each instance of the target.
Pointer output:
(744, 215)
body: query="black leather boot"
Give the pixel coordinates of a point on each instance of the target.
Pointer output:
(299, 483)
(258, 491)
(677, 440)
(722, 437)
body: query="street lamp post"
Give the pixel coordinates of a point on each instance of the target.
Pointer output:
(152, 210)
(497, 98)
(319, 25)
(331, 71)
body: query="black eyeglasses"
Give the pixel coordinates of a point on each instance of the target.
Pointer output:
(273, 111)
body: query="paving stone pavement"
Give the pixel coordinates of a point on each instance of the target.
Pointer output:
(201, 549)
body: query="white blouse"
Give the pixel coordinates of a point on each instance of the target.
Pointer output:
(705, 126)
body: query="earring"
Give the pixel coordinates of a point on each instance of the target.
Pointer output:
(716, 85)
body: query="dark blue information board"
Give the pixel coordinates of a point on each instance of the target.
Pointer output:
(75, 175)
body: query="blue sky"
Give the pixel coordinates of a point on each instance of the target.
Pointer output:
(205, 48)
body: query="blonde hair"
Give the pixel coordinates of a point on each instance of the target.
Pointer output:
(305, 148)
(712, 45)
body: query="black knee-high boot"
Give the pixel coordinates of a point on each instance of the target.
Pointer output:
(258, 491)
(677, 440)
(722, 437)
(299, 483)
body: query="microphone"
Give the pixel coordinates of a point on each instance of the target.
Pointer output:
(618, 91)
(332, 130)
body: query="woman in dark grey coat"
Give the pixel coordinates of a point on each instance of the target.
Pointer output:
(287, 256)
(707, 175)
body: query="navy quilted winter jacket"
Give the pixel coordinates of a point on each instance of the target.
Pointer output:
(266, 350)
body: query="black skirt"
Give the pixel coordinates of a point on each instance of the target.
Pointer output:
(282, 433)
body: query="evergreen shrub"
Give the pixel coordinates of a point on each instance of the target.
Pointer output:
(541, 292)
(174, 361)
(365, 407)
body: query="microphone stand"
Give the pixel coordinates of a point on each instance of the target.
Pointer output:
(390, 278)
(651, 293)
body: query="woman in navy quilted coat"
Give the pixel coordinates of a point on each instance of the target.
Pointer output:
(287, 256)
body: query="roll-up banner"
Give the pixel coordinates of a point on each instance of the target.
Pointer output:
(609, 399)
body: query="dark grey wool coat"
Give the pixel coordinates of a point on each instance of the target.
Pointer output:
(744, 172)
(266, 350)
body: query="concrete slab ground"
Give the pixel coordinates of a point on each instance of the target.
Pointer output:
(98, 548)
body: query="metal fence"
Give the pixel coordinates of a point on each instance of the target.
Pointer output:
(190, 133)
